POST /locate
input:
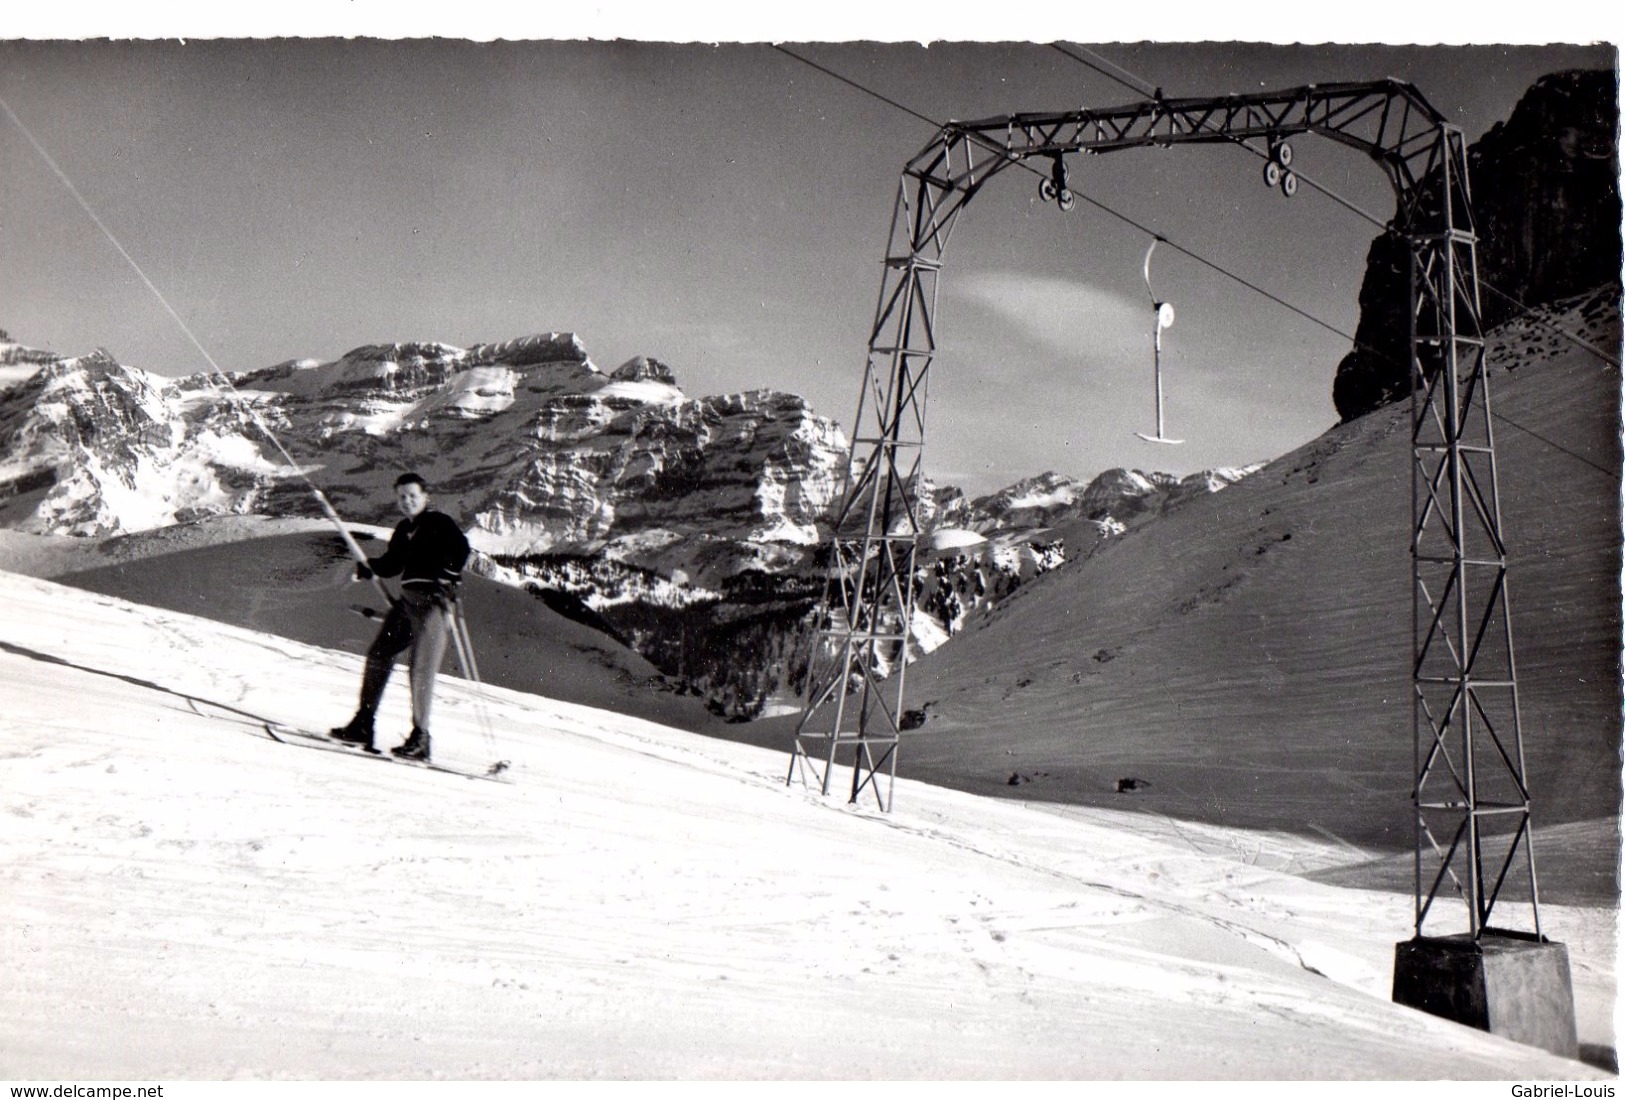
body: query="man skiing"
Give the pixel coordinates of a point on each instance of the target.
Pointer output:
(427, 551)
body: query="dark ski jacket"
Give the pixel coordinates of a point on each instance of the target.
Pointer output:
(426, 551)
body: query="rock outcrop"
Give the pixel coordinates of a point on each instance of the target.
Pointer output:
(1546, 204)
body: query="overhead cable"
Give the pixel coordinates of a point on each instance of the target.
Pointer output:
(1262, 154)
(1220, 268)
(1125, 219)
(1139, 85)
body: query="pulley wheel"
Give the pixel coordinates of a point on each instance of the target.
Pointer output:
(1067, 199)
(1046, 190)
(1272, 174)
(1289, 184)
(1283, 154)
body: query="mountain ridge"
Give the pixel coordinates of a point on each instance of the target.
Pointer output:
(689, 527)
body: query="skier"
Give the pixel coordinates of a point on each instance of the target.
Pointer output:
(427, 551)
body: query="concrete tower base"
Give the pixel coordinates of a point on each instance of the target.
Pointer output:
(1507, 983)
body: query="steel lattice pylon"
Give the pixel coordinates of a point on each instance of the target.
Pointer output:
(1471, 795)
(1469, 750)
(869, 597)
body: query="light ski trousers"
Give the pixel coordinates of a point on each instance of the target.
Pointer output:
(418, 621)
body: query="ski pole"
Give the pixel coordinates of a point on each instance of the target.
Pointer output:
(459, 643)
(473, 669)
(458, 623)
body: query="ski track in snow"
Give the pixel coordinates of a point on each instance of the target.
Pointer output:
(184, 898)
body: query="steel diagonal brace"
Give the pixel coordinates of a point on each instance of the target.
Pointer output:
(1446, 867)
(1513, 769)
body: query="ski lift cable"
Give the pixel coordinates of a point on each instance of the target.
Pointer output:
(1212, 265)
(1103, 208)
(1216, 267)
(1529, 312)
(1124, 218)
(216, 371)
(1262, 154)
(106, 232)
(1502, 417)
(853, 83)
(1139, 84)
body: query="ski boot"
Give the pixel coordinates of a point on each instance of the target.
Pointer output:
(415, 747)
(357, 732)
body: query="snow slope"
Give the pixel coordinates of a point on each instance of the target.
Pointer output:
(183, 898)
(1247, 656)
(293, 578)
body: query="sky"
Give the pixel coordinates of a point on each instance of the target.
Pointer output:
(722, 208)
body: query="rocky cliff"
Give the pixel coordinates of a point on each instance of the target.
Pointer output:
(527, 442)
(1546, 204)
(688, 528)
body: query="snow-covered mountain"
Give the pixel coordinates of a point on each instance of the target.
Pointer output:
(18, 362)
(95, 447)
(1117, 495)
(527, 440)
(690, 526)
(745, 643)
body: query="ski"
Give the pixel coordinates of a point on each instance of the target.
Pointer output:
(287, 734)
